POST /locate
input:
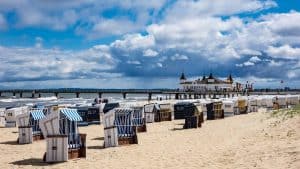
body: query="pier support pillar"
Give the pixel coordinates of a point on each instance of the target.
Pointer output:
(190, 96)
(14, 93)
(149, 96)
(0, 94)
(214, 96)
(124, 95)
(56, 94)
(21, 94)
(176, 96)
(40, 95)
(77, 94)
(32, 94)
(100, 95)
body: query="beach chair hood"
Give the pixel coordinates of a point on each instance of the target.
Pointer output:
(23, 119)
(71, 114)
(37, 114)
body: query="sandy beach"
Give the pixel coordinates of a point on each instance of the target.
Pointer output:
(246, 141)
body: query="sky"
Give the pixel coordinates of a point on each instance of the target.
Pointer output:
(148, 43)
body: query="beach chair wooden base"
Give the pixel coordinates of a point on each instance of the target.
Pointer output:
(25, 135)
(142, 128)
(37, 137)
(128, 140)
(10, 124)
(243, 110)
(58, 151)
(275, 106)
(80, 152)
(163, 116)
(77, 153)
(216, 115)
(192, 122)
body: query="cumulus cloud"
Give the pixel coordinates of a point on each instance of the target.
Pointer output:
(247, 63)
(89, 17)
(134, 62)
(134, 41)
(216, 7)
(150, 53)
(254, 59)
(43, 64)
(159, 65)
(274, 63)
(179, 57)
(284, 51)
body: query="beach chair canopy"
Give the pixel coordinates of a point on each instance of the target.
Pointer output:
(37, 114)
(71, 114)
(2, 112)
(151, 108)
(110, 106)
(23, 119)
(123, 111)
(165, 107)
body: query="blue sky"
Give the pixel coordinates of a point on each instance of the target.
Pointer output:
(147, 44)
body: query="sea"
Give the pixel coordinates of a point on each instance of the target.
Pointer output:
(7, 100)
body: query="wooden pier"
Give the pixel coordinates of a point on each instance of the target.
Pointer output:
(168, 93)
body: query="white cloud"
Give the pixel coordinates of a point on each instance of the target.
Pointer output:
(179, 57)
(216, 8)
(248, 63)
(40, 64)
(108, 27)
(198, 35)
(286, 24)
(134, 41)
(292, 74)
(159, 65)
(150, 53)
(86, 15)
(274, 63)
(285, 51)
(254, 59)
(134, 62)
(38, 42)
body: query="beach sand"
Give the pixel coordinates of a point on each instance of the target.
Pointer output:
(245, 141)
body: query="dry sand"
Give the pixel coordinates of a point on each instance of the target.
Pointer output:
(244, 141)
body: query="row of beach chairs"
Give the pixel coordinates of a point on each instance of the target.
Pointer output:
(58, 125)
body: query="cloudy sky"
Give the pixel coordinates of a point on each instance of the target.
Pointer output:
(147, 43)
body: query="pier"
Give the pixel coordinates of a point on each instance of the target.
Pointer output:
(168, 93)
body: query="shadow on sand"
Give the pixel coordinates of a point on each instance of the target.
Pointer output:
(175, 129)
(32, 162)
(98, 138)
(10, 143)
(95, 147)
